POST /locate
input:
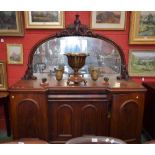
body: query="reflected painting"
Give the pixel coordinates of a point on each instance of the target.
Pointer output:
(102, 54)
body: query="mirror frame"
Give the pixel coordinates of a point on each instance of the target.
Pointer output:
(75, 29)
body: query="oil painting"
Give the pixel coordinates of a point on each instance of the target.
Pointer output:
(44, 19)
(15, 53)
(11, 23)
(142, 27)
(108, 20)
(3, 76)
(141, 63)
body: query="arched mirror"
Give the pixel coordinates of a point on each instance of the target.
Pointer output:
(76, 38)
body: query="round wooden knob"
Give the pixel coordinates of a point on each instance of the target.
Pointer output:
(12, 97)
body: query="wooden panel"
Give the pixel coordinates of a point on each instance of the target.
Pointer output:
(93, 118)
(65, 120)
(73, 118)
(61, 121)
(89, 119)
(126, 118)
(128, 115)
(28, 118)
(29, 115)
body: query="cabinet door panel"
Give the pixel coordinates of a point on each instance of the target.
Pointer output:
(126, 118)
(61, 120)
(29, 115)
(88, 119)
(28, 118)
(93, 118)
(65, 120)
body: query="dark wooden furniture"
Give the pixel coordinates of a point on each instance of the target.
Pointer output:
(57, 112)
(4, 100)
(149, 112)
(95, 140)
(27, 141)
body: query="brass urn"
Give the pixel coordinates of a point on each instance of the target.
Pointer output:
(76, 61)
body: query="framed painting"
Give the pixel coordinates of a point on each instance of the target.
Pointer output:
(15, 53)
(108, 20)
(141, 63)
(11, 23)
(3, 76)
(44, 19)
(142, 29)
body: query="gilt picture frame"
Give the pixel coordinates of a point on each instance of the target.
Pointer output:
(141, 63)
(3, 76)
(108, 20)
(44, 19)
(142, 30)
(15, 53)
(11, 23)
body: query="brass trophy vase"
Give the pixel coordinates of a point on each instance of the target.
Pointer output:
(76, 61)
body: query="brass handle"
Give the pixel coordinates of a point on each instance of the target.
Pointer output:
(12, 97)
(137, 97)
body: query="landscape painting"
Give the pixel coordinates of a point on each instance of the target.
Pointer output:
(44, 19)
(108, 16)
(141, 63)
(108, 20)
(147, 22)
(45, 16)
(142, 27)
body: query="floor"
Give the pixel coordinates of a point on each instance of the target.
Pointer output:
(3, 136)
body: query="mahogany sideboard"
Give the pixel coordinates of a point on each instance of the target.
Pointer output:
(57, 112)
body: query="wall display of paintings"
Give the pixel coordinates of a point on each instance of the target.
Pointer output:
(3, 76)
(141, 63)
(108, 20)
(11, 23)
(142, 29)
(15, 53)
(44, 19)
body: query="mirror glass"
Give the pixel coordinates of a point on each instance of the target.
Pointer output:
(102, 54)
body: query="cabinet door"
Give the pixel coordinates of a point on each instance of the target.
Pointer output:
(62, 117)
(74, 118)
(92, 117)
(127, 113)
(29, 115)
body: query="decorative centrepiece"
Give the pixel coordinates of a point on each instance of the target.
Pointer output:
(76, 61)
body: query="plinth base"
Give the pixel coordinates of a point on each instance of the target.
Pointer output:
(76, 79)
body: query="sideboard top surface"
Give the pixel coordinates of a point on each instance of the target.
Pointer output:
(112, 86)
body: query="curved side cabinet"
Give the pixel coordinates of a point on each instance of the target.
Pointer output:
(126, 120)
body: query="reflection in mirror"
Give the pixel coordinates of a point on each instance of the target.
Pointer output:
(102, 54)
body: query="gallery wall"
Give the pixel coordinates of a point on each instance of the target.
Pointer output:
(32, 36)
